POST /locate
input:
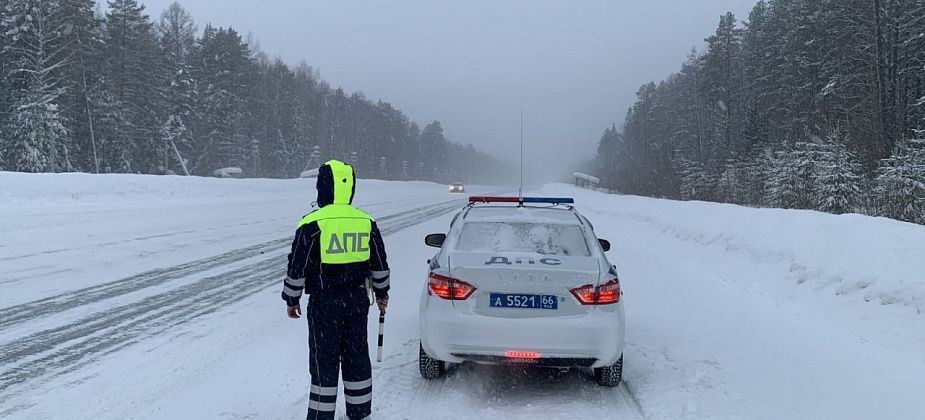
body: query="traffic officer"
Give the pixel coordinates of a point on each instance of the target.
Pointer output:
(337, 247)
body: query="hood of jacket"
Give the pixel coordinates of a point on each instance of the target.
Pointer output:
(336, 183)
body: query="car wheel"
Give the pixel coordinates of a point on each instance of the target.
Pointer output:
(430, 368)
(609, 376)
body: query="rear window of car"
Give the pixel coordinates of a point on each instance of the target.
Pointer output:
(540, 238)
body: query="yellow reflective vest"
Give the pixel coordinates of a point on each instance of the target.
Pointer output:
(344, 236)
(344, 229)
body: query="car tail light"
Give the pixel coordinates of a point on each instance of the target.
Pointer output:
(518, 354)
(448, 288)
(603, 294)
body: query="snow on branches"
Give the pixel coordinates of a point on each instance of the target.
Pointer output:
(900, 183)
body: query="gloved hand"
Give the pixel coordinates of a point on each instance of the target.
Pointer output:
(294, 312)
(383, 303)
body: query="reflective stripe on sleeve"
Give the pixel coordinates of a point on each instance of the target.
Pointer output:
(296, 282)
(380, 274)
(292, 292)
(381, 285)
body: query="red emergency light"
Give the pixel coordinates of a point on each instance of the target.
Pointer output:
(490, 199)
(520, 354)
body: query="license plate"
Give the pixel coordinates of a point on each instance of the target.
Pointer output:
(518, 300)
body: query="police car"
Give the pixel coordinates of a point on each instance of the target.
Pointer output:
(522, 280)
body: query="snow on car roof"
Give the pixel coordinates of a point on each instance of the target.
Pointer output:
(522, 214)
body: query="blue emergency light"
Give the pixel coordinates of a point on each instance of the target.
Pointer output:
(521, 200)
(549, 200)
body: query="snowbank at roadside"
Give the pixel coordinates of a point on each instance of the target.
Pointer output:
(875, 259)
(736, 312)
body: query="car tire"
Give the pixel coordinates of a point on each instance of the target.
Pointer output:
(609, 376)
(430, 368)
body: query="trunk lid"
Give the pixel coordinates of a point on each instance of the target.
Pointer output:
(523, 273)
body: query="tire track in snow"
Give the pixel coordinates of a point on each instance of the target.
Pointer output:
(25, 312)
(66, 348)
(632, 394)
(39, 308)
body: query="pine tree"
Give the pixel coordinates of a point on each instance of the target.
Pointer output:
(609, 157)
(900, 183)
(37, 52)
(131, 56)
(82, 32)
(174, 133)
(910, 69)
(35, 129)
(784, 185)
(697, 183)
(6, 84)
(722, 91)
(433, 150)
(115, 146)
(307, 117)
(177, 36)
(757, 73)
(836, 177)
(224, 70)
(754, 177)
(729, 185)
(272, 115)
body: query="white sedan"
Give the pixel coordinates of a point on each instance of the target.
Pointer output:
(522, 280)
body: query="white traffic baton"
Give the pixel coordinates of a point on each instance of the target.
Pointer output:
(381, 330)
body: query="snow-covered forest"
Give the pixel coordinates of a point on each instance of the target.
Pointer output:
(112, 90)
(808, 104)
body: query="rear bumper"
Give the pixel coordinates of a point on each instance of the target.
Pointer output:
(591, 340)
(558, 362)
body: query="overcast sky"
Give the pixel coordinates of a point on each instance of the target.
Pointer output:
(572, 65)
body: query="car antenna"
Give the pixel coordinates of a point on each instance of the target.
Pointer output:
(520, 193)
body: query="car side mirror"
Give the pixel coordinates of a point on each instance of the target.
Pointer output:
(435, 239)
(605, 244)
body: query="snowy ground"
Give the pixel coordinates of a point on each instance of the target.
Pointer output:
(764, 313)
(158, 297)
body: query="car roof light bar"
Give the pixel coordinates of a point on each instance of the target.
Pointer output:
(531, 200)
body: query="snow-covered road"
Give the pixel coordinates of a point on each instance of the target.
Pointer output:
(197, 288)
(158, 297)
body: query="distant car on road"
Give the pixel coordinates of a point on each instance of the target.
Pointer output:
(457, 187)
(522, 281)
(229, 172)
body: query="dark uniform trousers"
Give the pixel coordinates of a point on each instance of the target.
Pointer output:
(337, 342)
